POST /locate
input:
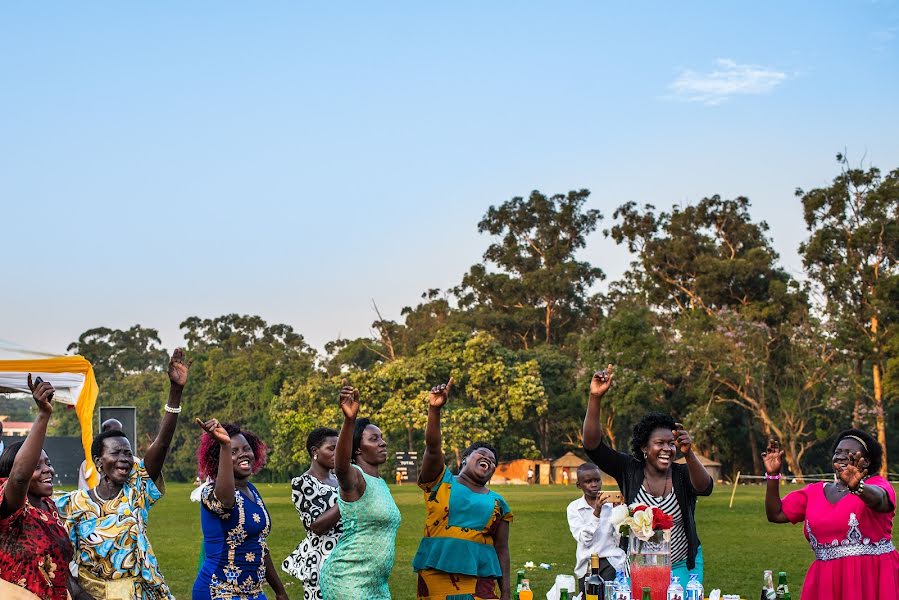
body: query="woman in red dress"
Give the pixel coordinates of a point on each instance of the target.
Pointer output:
(34, 546)
(848, 523)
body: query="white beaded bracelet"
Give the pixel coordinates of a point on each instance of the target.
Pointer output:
(174, 411)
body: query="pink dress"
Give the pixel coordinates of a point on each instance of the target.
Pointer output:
(854, 554)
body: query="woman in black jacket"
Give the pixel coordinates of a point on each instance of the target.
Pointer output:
(650, 476)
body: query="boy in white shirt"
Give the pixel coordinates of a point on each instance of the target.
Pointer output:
(590, 524)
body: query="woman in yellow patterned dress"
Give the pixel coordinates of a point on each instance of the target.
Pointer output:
(464, 553)
(108, 523)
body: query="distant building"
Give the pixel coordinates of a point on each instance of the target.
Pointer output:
(712, 466)
(516, 471)
(16, 428)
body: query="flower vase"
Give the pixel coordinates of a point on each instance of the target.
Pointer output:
(650, 564)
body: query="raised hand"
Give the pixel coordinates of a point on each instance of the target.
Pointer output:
(601, 382)
(214, 429)
(440, 394)
(682, 439)
(853, 473)
(773, 457)
(42, 394)
(349, 400)
(178, 368)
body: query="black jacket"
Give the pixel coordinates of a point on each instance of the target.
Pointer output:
(628, 472)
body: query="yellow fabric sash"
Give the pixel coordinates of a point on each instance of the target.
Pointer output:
(108, 589)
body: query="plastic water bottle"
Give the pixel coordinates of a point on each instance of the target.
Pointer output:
(675, 590)
(694, 589)
(623, 590)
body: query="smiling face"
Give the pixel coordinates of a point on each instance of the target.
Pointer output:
(660, 449)
(242, 457)
(41, 484)
(117, 460)
(844, 448)
(590, 482)
(479, 466)
(372, 446)
(326, 452)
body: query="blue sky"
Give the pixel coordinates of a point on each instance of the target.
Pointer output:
(297, 160)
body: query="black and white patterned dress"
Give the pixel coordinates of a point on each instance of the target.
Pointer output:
(312, 498)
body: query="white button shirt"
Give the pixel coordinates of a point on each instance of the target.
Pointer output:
(594, 536)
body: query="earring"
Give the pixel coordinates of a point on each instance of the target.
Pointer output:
(645, 455)
(315, 457)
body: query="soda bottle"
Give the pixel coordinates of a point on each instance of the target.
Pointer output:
(694, 589)
(518, 581)
(647, 593)
(563, 594)
(768, 592)
(783, 590)
(675, 589)
(525, 593)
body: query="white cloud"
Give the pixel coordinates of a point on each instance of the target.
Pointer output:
(728, 79)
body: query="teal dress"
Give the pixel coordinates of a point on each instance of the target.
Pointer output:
(359, 567)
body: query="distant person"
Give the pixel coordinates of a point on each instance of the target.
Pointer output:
(113, 515)
(530, 475)
(107, 425)
(315, 494)
(650, 476)
(234, 518)
(848, 522)
(565, 476)
(34, 546)
(589, 519)
(359, 567)
(464, 552)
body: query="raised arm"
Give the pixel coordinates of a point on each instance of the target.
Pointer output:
(224, 479)
(599, 385)
(773, 458)
(159, 449)
(433, 461)
(352, 485)
(699, 477)
(854, 474)
(29, 454)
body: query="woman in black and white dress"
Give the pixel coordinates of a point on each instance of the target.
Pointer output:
(315, 496)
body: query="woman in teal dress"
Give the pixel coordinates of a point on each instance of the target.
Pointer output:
(359, 567)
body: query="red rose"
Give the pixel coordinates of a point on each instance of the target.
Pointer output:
(661, 520)
(638, 508)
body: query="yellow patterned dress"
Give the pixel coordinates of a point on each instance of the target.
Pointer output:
(112, 553)
(456, 559)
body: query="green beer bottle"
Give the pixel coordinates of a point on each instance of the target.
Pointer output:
(783, 590)
(518, 581)
(647, 593)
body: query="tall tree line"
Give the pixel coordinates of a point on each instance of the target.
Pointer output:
(705, 324)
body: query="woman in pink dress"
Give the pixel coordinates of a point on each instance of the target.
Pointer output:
(848, 523)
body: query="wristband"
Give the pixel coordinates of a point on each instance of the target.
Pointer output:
(772, 477)
(858, 491)
(172, 410)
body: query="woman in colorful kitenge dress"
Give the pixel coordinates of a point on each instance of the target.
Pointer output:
(360, 565)
(315, 495)
(234, 518)
(108, 524)
(34, 546)
(464, 554)
(848, 523)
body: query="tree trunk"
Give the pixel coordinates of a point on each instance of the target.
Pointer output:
(791, 454)
(757, 465)
(547, 324)
(857, 407)
(878, 398)
(543, 428)
(409, 432)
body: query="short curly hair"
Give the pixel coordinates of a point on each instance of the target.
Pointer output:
(475, 446)
(97, 444)
(874, 452)
(644, 428)
(208, 452)
(317, 436)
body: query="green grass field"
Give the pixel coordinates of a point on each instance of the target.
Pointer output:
(738, 543)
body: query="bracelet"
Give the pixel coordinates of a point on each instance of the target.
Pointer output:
(858, 491)
(772, 477)
(172, 410)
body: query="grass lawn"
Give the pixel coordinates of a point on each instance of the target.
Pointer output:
(738, 543)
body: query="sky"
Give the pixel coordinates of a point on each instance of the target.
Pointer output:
(299, 161)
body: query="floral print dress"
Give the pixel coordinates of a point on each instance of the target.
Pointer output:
(35, 549)
(312, 497)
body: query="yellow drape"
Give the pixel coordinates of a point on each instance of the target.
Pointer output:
(84, 404)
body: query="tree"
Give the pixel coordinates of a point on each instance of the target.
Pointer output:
(115, 353)
(537, 291)
(852, 254)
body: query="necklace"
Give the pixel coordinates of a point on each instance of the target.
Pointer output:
(649, 489)
(101, 498)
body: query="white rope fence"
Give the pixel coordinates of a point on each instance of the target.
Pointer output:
(814, 477)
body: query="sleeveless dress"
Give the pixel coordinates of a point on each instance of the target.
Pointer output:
(312, 498)
(854, 554)
(359, 567)
(234, 540)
